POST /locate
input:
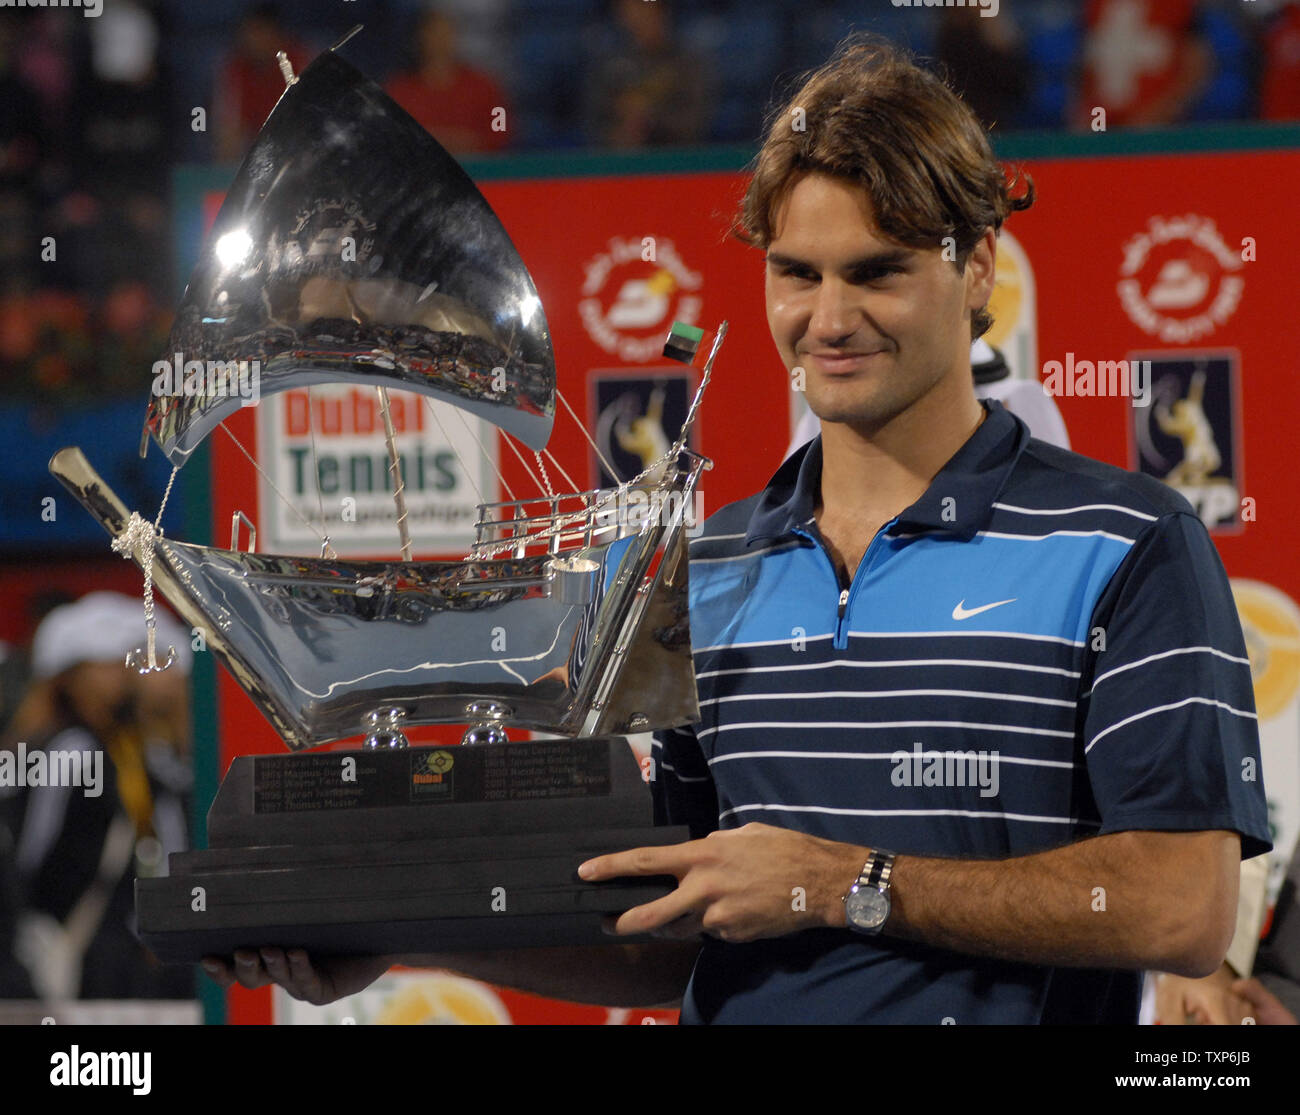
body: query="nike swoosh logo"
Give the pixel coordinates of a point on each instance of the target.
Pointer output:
(962, 612)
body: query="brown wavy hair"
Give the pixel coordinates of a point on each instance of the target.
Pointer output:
(873, 116)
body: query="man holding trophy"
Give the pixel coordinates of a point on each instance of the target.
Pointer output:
(976, 732)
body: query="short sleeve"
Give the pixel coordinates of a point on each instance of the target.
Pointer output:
(683, 789)
(1171, 739)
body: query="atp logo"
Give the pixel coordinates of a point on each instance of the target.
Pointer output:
(637, 416)
(1189, 437)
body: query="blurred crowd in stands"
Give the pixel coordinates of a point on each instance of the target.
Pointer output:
(95, 112)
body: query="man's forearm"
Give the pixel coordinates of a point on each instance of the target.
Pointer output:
(1137, 899)
(1104, 902)
(648, 974)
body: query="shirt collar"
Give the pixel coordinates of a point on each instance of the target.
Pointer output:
(973, 477)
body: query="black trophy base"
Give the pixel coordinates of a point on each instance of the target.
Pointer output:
(415, 851)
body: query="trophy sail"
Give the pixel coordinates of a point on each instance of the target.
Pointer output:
(351, 247)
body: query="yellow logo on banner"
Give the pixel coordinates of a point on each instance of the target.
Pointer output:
(443, 1001)
(1007, 298)
(1014, 306)
(1272, 630)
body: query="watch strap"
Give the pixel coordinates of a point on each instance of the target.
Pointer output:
(876, 871)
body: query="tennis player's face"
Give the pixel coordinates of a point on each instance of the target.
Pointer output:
(876, 326)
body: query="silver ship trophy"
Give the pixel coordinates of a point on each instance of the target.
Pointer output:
(394, 848)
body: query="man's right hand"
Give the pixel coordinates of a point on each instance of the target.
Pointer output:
(317, 982)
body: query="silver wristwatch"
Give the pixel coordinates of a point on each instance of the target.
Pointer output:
(866, 906)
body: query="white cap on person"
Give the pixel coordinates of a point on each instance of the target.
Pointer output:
(103, 627)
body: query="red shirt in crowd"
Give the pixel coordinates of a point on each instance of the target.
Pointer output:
(248, 90)
(459, 114)
(1279, 95)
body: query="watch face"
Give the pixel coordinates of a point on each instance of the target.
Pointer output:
(866, 908)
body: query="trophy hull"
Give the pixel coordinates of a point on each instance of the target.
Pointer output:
(593, 640)
(416, 851)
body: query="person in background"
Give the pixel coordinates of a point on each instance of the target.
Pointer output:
(1273, 991)
(1279, 90)
(645, 89)
(453, 102)
(249, 81)
(987, 63)
(25, 142)
(15, 982)
(79, 848)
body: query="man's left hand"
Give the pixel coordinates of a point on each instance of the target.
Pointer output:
(738, 884)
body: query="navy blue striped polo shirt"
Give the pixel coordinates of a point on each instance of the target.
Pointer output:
(1042, 648)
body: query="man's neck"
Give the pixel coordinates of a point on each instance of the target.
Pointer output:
(870, 475)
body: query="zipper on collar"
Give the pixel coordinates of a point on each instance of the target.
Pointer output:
(840, 639)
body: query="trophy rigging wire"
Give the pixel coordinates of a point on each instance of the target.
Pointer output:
(275, 487)
(542, 467)
(428, 403)
(609, 468)
(320, 498)
(567, 478)
(138, 540)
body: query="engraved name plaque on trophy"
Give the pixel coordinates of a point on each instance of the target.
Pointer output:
(476, 848)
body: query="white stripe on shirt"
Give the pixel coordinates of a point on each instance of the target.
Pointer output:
(1165, 708)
